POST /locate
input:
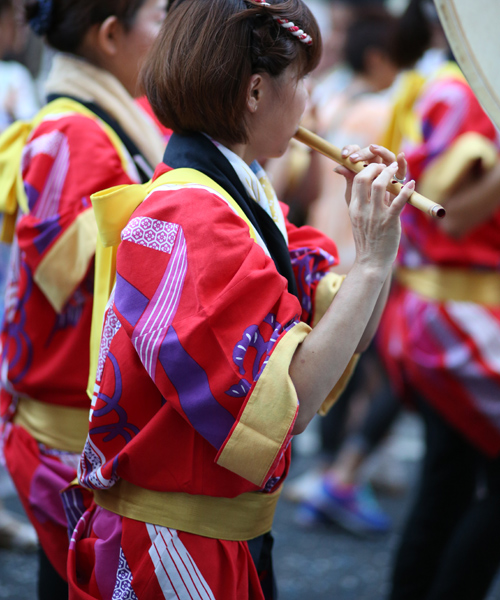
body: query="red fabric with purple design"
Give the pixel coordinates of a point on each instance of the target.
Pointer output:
(45, 351)
(124, 558)
(40, 473)
(447, 351)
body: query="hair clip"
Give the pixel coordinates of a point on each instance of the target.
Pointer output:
(289, 26)
(41, 22)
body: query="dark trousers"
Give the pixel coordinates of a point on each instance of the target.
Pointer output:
(450, 548)
(51, 586)
(261, 552)
(383, 409)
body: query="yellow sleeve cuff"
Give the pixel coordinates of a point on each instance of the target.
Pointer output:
(446, 172)
(66, 263)
(334, 395)
(326, 291)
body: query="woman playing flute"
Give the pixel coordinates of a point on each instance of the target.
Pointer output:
(208, 361)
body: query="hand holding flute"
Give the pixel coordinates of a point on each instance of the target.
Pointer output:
(329, 150)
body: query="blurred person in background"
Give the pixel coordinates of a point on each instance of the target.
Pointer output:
(358, 115)
(90, 135)
(333, 74)
(440, 336)
(17, 101)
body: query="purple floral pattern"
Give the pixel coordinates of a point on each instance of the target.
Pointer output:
(310, 265)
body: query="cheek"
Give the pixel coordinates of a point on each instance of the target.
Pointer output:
(152, 31)
(301, 101)
(143, 39)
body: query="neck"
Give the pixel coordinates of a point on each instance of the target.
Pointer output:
(244, 151)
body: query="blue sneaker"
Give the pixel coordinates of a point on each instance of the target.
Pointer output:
(308, 517)
(354, 507)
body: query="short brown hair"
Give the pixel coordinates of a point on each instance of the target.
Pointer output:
(197, 75)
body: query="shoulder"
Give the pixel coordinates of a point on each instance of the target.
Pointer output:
(448, 89)
(12, 72)
(77, 128)
(191, 219)
(451, 104)
(80, 138)
(197, 207)
(191, 237)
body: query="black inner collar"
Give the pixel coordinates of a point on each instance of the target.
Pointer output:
(196, 151)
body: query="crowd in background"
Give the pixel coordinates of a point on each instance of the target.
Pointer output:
(387, 77)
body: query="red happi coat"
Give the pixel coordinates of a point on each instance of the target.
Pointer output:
(45, 335)
(191, 331)
(193, 393)
(447, 351)
(48, 307)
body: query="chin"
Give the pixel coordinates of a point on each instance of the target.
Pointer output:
(281, 150)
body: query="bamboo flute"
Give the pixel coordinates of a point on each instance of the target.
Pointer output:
(330, 151)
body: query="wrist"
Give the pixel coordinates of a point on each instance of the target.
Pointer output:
(372, 272)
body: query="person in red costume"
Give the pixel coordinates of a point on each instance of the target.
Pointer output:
(90, 135)
(441, 343)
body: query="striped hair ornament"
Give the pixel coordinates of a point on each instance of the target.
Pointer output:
(289, 26)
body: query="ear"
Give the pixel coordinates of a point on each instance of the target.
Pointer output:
(255, 91)
(373, 59)
(108, 36)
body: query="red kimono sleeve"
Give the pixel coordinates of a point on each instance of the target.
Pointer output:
(65, 161)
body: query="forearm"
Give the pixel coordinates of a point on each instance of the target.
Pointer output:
(374, 321)
(323, 356)
(472, 204)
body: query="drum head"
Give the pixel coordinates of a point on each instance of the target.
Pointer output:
(473, 31)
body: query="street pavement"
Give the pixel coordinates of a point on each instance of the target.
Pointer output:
(324, 563)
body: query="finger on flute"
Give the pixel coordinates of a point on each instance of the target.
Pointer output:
(315, 142)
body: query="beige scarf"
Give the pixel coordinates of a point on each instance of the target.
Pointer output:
(76, 77)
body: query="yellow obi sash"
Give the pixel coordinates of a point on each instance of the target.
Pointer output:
(12, 142)
(60, 427)
(113, 209)
(242, 518)
(449, 284)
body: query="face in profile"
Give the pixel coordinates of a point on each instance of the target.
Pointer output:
(279, 113)
(138, 40)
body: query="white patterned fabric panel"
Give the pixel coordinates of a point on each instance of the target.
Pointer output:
(94, 478)
(123, 587)
(151, 233)
(111, 327)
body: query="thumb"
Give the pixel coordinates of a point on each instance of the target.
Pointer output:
(349, 175)
(349, 179)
